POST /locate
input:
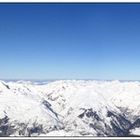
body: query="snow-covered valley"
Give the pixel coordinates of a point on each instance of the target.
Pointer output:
(70, 108)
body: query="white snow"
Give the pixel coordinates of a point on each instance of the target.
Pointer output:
(22, 102)
(135, 131)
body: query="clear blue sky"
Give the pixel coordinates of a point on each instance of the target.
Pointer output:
(70, 41)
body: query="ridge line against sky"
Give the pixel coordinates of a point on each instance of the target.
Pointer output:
(70, 41)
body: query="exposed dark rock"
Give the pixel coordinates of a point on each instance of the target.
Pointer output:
(48, 106)
(136, 124)
(90, 114)
(6, 86)
(5, 128)
(119, 125)
(38, 129)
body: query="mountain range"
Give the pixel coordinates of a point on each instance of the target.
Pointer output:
(70, 108)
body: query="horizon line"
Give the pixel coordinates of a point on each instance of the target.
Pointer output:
(52, 79)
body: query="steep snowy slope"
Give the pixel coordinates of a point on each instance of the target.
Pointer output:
(69, 108)
(24, 113)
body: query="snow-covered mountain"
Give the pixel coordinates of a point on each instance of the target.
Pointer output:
(70, 108)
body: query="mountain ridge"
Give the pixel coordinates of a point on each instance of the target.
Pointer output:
(69, 108)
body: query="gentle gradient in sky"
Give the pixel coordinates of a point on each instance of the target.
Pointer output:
(70, 41)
